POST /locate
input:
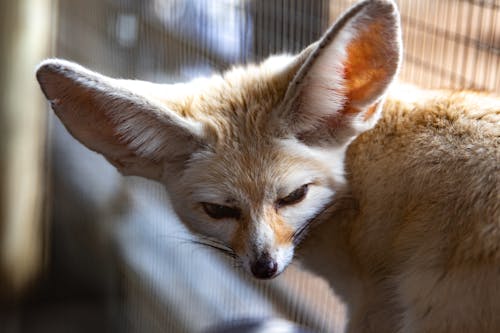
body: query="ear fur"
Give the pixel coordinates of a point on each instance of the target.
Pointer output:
(338, 91)
(136, 134)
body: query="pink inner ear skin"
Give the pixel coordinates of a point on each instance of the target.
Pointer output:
(367, 68)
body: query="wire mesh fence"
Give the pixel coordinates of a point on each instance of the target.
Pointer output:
(449, 43)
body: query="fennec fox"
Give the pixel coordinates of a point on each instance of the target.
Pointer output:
(410, 232)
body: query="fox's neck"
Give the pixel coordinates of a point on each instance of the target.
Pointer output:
(326, 252)
(329, 253)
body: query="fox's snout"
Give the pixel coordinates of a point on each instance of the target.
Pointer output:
(264, 245)
(264, 267)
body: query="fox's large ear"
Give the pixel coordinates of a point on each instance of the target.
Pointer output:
(138, 135)
(338, 91)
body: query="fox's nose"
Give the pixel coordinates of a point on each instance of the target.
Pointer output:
(265, 267)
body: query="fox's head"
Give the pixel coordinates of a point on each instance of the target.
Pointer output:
(252, 156)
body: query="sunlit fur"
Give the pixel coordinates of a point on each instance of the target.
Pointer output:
(410, 209)
(416, 247)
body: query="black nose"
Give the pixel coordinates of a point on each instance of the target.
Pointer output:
(265, 267)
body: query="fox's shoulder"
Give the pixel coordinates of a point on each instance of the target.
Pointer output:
(413, 105)
(450, 123)
(439, 123)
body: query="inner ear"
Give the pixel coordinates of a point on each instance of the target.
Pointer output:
(338, 91)
(371, 63)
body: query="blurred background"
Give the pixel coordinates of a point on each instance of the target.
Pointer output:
(85, 249)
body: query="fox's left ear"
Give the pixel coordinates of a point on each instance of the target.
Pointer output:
(338, 91)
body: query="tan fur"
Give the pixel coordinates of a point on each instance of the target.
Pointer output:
(280, 228)
(411, 228)
(423, 240)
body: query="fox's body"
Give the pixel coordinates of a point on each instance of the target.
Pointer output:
(415, 247)
(253, 158)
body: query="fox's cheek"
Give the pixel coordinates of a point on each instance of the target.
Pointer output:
(198, 222)
(223, 231)
(240, 240)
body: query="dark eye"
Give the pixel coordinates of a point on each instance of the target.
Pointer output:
(221, 212)
(295, 197)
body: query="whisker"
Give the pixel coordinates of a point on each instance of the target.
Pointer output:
(183, 239)
(236, 264)
(216, 245)
(209, 240)
(222, 250)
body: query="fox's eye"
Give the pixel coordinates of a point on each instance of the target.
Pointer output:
(221, 212)
(295, 197)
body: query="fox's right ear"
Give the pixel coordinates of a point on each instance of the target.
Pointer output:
(139, 136)
(338, 91)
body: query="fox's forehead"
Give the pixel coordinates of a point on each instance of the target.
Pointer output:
(237, 101)
(253, 173)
